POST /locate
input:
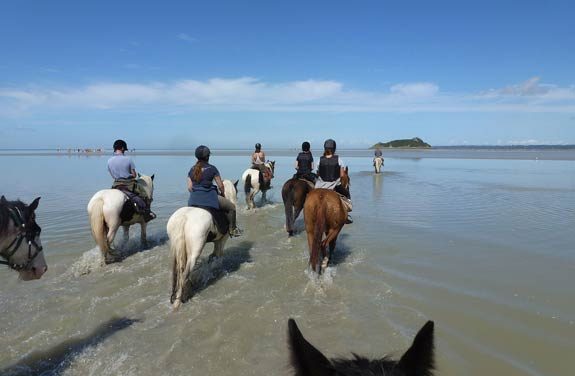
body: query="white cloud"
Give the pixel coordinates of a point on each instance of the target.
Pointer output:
(251, 94)
(186, 38)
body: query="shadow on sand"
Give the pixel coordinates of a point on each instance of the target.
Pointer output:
(207, 271)
(57, 359)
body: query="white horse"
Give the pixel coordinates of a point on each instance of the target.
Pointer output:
(377, 163)
(251, 180)
(104, 211)
(189, 229)
(20, 244)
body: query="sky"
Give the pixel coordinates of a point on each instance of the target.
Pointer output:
(175, 74)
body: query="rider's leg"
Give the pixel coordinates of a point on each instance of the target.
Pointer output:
(230, 209)
(142, 208)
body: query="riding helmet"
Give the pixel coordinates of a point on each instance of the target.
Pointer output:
(258, 146)
(329, 144)
(120, 145)
(305, 146)
(203, 153)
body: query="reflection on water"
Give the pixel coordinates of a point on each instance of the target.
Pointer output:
(484, 247)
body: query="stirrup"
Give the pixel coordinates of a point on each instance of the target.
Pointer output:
(235, 232)
(348, 220)
(149, 215)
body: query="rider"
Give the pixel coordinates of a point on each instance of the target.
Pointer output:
(304, 164)
(377, 154)
(204, 193)
(123, 170)
(258, 158)
(330, 170)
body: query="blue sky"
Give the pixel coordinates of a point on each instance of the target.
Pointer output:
(230, 73)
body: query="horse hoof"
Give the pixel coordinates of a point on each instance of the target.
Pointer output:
(176, 304)
(290, 233)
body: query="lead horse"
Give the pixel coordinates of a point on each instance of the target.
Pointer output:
(377, 163)
(105, 213)
(20, 245)
(253, 184)
(324, 213)
(294, 193)
(189, 229)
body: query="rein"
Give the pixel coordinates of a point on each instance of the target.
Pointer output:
(23, 233)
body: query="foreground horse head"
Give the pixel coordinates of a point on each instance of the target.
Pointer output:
(189, 229)
(418, 360)
(104, 212)
(324, 213)
(20, 244)
(294, 192)
(377, 163)
(253, 185)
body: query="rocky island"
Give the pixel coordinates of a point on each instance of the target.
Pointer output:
(415, 142)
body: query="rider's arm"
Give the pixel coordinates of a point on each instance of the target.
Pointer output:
(296, 164)
(190, 184)
(133, 169)
(220, 185)
(263, 156)
(133, 173)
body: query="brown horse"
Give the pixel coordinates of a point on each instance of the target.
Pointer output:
(324, 213)
(294, 192)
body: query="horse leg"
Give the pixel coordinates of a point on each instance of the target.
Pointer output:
(264, 198)
(126, 233)
(109, 256)
(252, 198)
(218, 249)
(143, 237)
(331, 238)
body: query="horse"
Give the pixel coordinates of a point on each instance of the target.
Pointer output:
(252, 183)
(189, 229)
(294, 192)
(105, 211)
(418, 360)
(20, 244)
(377, 163)
(324, 212)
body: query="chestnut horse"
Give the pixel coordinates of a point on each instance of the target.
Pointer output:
(294, 192)
(324, 213)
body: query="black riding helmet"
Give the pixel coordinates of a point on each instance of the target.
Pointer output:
(203, 153)
(258, 146)
(305, 146)
(329, 144)
(120, 145)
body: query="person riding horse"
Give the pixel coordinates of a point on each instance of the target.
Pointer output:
(377, 154)
(123, 170)
(259, 163)
(330, 170)
(304, 164)
(203, 193)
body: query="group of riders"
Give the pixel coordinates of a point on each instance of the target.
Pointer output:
(205, 183)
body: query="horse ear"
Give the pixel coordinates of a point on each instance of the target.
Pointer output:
(3, 200)
(236, 184)
(152, 177)
(419, 358)
(305, 358)
(34, 205)
(139, 175)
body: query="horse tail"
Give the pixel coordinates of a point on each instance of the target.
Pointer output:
(98, 224)
(179, 256)
(287, 196)
(248, 184)
(318, 231)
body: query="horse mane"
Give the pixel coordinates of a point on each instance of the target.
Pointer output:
(5, 205)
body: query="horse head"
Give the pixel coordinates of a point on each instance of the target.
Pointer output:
(231, 191)
(24, 252)
(147, 183)
(345, 179)
(271, 165)
(308, 361)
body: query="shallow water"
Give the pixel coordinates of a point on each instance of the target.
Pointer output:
(484, 247)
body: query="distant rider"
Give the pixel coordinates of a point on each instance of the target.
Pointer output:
(330, 170)
(123, 170)
(258, 158)
(204, 193)
(377, 154)
(304, 164)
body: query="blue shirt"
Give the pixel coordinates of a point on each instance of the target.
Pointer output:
(204, 192)
(121, 166)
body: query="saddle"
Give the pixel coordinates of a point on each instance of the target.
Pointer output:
(219, 219)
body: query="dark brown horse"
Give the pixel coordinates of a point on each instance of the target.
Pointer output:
(418, 360)
(294, 193)
(324, 213)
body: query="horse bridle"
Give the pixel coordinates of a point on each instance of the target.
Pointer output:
(24, 232)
